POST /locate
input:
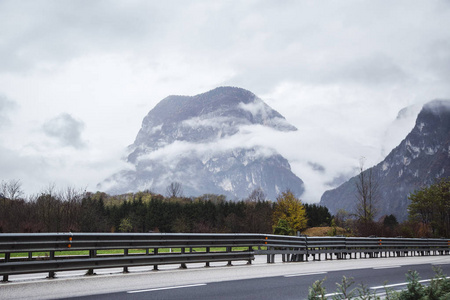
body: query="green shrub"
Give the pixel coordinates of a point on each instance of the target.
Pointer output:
(317, 291)
(439, 289)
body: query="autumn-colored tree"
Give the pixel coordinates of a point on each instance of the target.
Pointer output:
(291, 209)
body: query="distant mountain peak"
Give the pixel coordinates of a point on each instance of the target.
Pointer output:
(437, 106)
(220, 101)
(422, 157)
(194, 132)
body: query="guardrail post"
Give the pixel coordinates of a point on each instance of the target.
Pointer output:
(183, 265)
(51, 274)
(270, 256)
(208, 249)
(228, 251)
(7, 258)
(307, 250)
(92, 254)
(125, 253)
(250, 249)
(155, 252)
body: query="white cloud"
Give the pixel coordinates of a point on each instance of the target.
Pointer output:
(249, 137)
(197, 122)
(66, 130)
(255, 108)
(333, 69)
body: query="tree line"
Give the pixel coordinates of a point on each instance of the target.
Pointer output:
(428, 211)
(73, 210)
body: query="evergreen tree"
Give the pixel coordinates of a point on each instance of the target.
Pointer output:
(317, 215)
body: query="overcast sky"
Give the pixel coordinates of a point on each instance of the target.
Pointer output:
(77, 77)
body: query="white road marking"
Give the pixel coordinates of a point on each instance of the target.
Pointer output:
(389, 285)
(166, 288)
(386, 267)
(333, 294)
(305, 274)
(399, 284)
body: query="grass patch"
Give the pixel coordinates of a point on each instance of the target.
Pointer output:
(324, 231)
(119, 252)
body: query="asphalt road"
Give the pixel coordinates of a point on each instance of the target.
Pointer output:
(257, 281)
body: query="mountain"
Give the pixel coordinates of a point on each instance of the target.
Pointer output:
(420, 159)
(204, 143)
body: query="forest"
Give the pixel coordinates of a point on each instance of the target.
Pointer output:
(72, 210)
(79, 211)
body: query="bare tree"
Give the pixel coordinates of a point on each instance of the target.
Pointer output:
(71, 208)
(257, 195)
(10, 194)
(11, 189)
(367, 190)
(50, 209)
(174, 190)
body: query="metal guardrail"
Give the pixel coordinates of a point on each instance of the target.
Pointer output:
(182, 249)
(189, 248)
(290, 247)
(350, 247)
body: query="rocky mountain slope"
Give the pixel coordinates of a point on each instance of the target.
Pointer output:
(421, 158)
(201, 142)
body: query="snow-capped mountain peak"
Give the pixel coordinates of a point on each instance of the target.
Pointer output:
(201, 142)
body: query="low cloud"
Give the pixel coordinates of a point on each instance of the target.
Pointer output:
(197, 122)
(251, 136)
(66, 130)
(256, 108)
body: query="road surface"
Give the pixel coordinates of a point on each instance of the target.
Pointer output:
(257, 281)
